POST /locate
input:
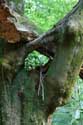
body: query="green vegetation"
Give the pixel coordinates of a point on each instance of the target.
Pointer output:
(45, 13)
(35, 59)
(71, 113)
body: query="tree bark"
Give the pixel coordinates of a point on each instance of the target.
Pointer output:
(29, 98)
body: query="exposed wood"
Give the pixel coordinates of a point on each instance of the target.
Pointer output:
(11, 28)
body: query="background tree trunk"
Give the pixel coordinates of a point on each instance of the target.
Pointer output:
(20, 103)
(17, 5)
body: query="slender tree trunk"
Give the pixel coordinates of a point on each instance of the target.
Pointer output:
(29, 98)
(17, 5)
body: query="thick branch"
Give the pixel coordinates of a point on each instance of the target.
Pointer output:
(53, 34)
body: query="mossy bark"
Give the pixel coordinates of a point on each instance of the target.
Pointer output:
(19, 101)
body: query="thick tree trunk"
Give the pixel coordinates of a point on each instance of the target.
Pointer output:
(19, 103)
(21, 100)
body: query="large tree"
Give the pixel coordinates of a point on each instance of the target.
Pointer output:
(29, 98)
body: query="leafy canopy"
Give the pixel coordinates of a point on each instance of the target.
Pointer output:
(45, 13)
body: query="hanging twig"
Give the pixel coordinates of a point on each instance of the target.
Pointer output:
(41, 86)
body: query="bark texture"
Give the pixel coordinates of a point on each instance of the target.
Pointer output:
(21, 100)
